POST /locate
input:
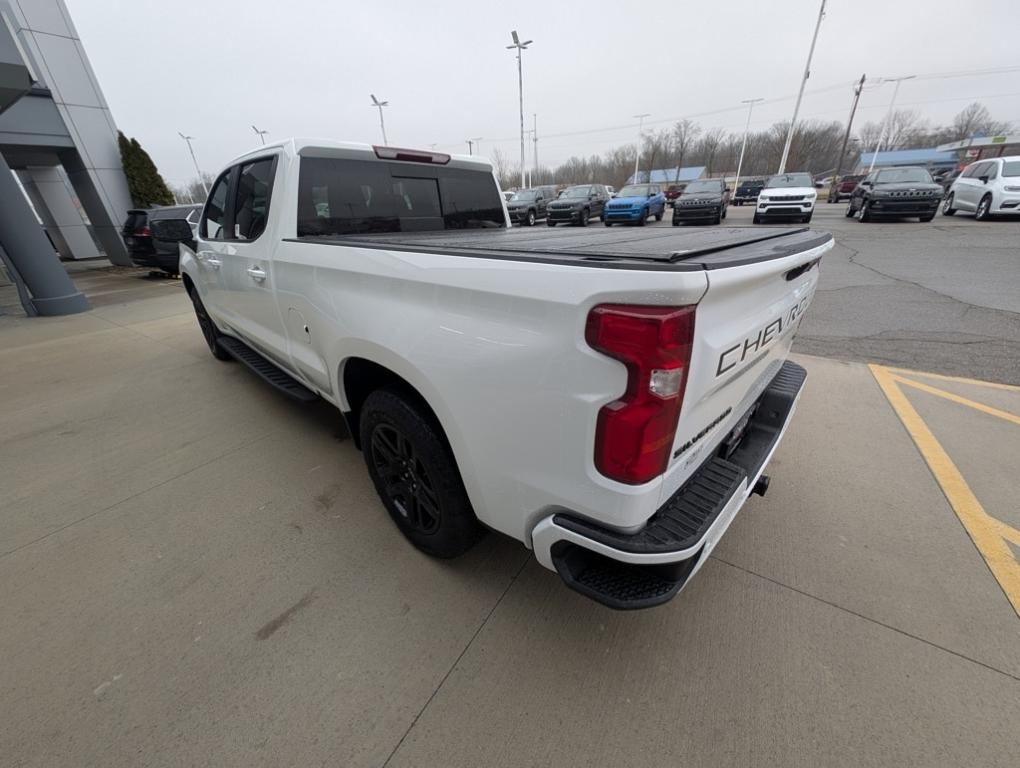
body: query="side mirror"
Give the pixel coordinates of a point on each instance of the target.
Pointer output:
(984, 179)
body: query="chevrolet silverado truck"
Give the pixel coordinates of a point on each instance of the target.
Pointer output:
(609, 399)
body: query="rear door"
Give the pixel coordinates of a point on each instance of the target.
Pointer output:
(743, 330)
(247, 259)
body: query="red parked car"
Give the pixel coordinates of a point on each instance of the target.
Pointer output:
(673, 191)
(844, 188)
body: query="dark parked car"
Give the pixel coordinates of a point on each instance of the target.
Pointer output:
(152, 235)
(895, 192)
(528, 206)
(947, 178)
(702, 200)
(844, 187)
(577, 205)
(748, 191)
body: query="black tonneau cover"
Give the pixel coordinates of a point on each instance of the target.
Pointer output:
(627, 248)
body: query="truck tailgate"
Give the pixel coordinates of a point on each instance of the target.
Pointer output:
(744, 327)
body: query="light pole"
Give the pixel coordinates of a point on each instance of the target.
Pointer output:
(534, 139)
(520, 88)
(187, 140)
(637, 157)
(800, 93)
(833, 188)
(889, 117)
(382, 123)
(261, 134)
(475, 142)
(743, 144)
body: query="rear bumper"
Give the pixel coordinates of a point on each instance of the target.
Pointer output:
(651, 566)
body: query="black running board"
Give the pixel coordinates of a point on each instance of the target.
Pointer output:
(269, 372)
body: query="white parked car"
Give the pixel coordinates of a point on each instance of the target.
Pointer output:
(610, 405)
(787, 196)
(986, 187)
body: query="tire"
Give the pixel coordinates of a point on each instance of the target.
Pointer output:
(863, 214)
(724, 212)
(660, 214)
(582, 220)
(676, 222)
(208, 327)
(756, 219)
(416, 477)
(984, 207)
(947, 205)
(550, 223)
(607, 223)
(529, 220)
(850, 210)
(644, 217)
(807, 219)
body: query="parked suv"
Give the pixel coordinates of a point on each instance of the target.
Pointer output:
(748, 191)
(635, 203)
(787, 195)
(528, 206)
(152, 235)
(987, 187)
(895, 192)
(577, 204)
(701, 200)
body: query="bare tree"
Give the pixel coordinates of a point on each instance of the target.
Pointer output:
(658, 146)
(976, 120)
(708, 146)
(685, 132)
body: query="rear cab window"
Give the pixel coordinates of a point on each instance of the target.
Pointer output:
(351, 197)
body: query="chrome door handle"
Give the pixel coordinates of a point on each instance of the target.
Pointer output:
(256, 274)
(206, 257)
(214, 263)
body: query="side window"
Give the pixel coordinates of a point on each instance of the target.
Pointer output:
(251, 204)
(214, 217)
(992, 171)
(971, 171)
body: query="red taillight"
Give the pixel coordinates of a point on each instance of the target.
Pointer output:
(143, 232)
(634, 435)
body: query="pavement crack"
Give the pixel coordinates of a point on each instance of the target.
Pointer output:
(464, 650)
(844, 609)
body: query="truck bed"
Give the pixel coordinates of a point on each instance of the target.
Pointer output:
(674, 249)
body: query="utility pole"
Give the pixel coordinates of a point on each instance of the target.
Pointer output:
(800, 93)
(187, 140)
(520, 88)
(534, 140)
(472, 143)
(260, 134)
(889, 117)
(637, 157)
(382, 123)
(743, 144)
(846, 136)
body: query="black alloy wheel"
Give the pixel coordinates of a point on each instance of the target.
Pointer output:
(406, 481)
(583, 217)
(207, 327)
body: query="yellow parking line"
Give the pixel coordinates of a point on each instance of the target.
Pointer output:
(958, 399)
(988, 534)
(961, 379)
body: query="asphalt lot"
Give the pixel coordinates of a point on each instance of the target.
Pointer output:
(196, 571)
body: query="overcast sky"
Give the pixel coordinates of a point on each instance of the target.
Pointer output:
(211, 68)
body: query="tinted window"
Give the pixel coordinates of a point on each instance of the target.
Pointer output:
(1011, 168)
(972, 170)
(135, 220)
(344, 197)
(251, 203)
(992, 171)
(215, 210)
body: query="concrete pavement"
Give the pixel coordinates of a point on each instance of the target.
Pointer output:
(197, 571)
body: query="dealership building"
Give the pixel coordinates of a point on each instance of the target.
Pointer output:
(63, 192)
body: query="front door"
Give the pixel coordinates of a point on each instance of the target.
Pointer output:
(210, 246)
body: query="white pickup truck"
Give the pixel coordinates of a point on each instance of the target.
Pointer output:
(608, 397)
